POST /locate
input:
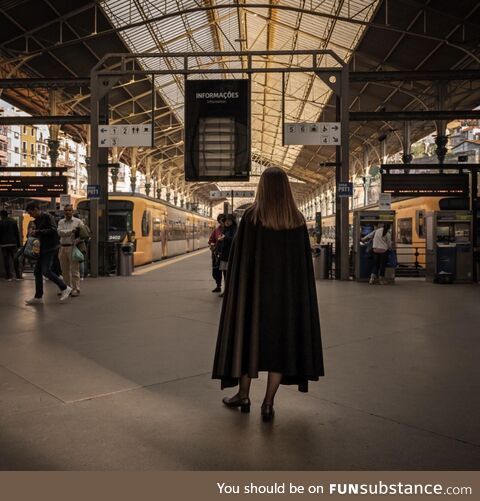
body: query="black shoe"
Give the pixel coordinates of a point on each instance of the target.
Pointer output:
(217, 289)
(236, 401)
(267, 412)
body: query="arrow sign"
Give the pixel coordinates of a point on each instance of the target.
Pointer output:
(317, 133)
(125, 135)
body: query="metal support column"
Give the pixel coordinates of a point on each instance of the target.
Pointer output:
(103, 202)
(407, 156)
(344, 251)
(98, 208)
(474, 207)
(441, 140)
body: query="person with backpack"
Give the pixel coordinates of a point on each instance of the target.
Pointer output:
(46, 232)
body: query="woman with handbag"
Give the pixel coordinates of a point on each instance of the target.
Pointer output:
(269, 320)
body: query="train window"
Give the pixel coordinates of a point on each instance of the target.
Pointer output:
(119, 221)
(146, 218)
(157, 230)
(404, 230)
(420, 217)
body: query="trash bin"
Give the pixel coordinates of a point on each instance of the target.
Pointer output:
(125, 259)
(321, 261)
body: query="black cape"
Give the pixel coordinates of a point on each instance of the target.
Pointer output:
(269, 319)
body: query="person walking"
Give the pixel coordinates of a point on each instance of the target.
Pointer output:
(269, 319)
(382, 243)
(46, 231)
(9, 244)
(212, 243)
(69, 229)
(225, 244)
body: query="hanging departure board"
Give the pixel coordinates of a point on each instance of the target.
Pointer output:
(217, 130)
(32, 186)
(425, 185)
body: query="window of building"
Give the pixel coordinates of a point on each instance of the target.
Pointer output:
(24, 146)
(16, 135)
(16, 149)
(24, 129)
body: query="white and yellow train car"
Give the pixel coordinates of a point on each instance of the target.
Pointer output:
(160, 229)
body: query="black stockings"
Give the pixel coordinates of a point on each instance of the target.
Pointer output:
(273, 382)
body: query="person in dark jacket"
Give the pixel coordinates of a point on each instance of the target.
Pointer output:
(225, 244)
(46, 231)
(212, 243)
(269, 320)
(9, 244)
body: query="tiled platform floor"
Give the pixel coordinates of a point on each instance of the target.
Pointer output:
(119, 378)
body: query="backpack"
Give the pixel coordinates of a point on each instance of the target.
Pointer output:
(32, 248)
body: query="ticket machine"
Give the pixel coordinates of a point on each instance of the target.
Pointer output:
(449, 246)
(364, 222)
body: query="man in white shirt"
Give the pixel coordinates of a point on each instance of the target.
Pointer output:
(68, 230)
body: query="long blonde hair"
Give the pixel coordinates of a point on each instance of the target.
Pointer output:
(274, 205)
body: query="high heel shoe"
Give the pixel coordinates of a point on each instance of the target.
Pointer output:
(267, 412)
(236, 401)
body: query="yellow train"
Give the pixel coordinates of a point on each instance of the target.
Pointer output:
(160, 229)
(409, 231)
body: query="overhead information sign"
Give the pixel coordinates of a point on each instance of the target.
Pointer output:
(124, 135)
(236, 194)
(427, 185)
(217, 130)
(316, 133)
(32, 186)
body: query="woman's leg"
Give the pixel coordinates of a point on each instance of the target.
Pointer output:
(274, 379)
(244, 389)
(382, 264)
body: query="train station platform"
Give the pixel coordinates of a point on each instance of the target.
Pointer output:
(119, 379)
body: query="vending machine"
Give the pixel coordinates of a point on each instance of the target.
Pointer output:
(364, 222)
(449, 246)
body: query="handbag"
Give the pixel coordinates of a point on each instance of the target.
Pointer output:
(32, 248)
(77, 255)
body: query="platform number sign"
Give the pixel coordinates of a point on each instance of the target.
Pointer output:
(93, 191)
(345, 189)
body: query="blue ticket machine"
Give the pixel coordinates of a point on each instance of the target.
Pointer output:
(364, 222)
(449, 246)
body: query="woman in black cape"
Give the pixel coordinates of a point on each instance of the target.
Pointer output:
(269, 320)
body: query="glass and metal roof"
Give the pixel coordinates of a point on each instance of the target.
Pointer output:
(223, 25)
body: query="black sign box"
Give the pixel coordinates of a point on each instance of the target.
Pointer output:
(217, 130)
(32, 186)
(425, 185)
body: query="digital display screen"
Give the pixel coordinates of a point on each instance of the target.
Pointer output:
(32, 186)
(426, 185)
(217, 130)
